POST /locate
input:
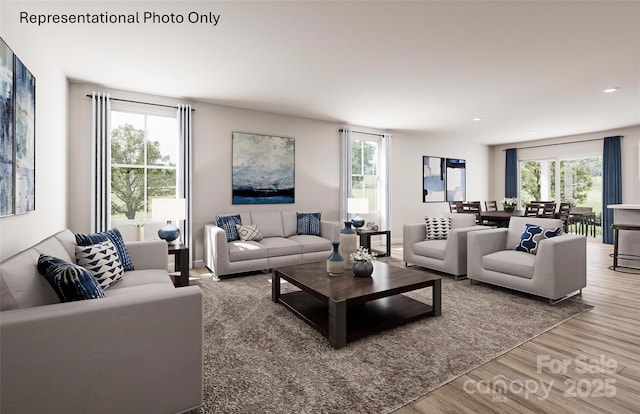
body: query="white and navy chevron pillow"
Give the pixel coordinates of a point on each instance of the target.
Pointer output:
(438, 227)
(102, 261)
(249, 232)
(116, 238)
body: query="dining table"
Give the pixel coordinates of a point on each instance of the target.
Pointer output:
(500, 217)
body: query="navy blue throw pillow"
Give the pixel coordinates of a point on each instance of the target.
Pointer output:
(308, 223)
(117, 240)
(532, 236)
(70, 281)
(228, 223)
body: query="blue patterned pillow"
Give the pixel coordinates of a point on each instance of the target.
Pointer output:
(228, 223)
(117, 240)
(308, 223)
(533, 235)
(70, 281)
(438, 227)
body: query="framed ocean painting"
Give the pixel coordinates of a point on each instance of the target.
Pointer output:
(263, 169)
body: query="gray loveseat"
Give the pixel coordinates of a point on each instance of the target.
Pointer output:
(280, 245)
(556, 271)
(138, 350)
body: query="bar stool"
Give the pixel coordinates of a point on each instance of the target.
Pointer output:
(625, 256)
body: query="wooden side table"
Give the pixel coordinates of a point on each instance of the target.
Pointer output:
(365, 240)
(181, 264)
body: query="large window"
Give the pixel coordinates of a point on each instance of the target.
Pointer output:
(144, 157)
(365, 171)
(578, 181)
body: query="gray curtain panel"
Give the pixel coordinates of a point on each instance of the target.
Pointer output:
(184, 175)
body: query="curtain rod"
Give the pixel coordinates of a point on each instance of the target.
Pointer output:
(364, 133)
(144, 103)
(562, 143)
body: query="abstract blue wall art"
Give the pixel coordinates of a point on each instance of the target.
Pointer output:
(25, 128)
(6, 132)
(433, 179)
(263, 169)
(456, 179)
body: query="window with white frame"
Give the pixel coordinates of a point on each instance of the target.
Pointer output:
(144, 161)
(365, 169)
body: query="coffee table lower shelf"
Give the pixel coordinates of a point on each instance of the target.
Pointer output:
(361, 319)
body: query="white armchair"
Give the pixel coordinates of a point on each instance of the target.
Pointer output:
(448, 256)
(558, 270)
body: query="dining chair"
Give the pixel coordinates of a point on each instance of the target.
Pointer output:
(531, 210)
(548, 210)
(453, 206)
(563, 214)
(491, 205)
(471, 207)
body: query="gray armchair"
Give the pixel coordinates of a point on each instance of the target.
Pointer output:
(558, 270)
(448, 256)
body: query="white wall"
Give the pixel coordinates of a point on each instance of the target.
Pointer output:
(576, 145)
(21, 231)
(406, 175)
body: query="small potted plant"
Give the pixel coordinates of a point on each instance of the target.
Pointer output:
(362, 262)
(509, 204)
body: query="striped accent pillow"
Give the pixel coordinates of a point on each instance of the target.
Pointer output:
(102, 261)
(117, 240)
(438, 227)
(228, 223)
(308, 223)
(70, 281)
(249, 232)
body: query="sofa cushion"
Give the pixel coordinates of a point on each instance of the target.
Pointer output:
(437, 227)
(141, 278)
(117, 240)
(308, 223)
(510, 262)
(228, 224)
(246, 250)
(532, 235)
(70, 281)
(22, 285)
(290, 223)
(312, 244)
(270, 223)
(431, 248)
(248, 232)
(102, 261)
(137, 289)
(279, 246)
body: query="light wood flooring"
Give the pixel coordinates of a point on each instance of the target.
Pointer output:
(604, 342)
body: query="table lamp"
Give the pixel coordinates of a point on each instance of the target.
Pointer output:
(168, 209)
(357, 206)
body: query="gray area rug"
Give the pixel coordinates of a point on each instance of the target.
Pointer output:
(259, 357)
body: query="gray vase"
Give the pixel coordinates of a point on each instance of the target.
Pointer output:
(362, 269)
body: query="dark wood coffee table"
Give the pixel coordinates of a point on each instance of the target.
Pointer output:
(344, 308)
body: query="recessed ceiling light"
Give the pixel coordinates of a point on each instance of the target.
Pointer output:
(610, 90)
(476, 119)
(533, 131)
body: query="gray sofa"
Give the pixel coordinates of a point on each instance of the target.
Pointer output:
(280, 246)
(448, 256)
(138, 350)
(558, 270)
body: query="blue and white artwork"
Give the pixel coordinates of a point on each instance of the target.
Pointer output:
(6, 131)
(456, 179)
(25, 130)
(263, 169)
(433, 179)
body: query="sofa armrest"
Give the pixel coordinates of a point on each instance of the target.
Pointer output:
(149, 254)
(561, 263)
(455, 256)
(330, 230)
(216, 248)
(123, 354)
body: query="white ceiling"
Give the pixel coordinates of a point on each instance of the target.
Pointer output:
(423, 66)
